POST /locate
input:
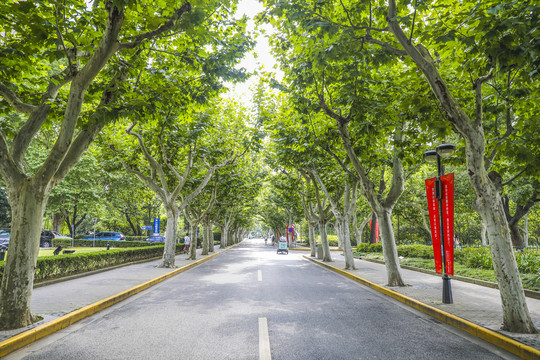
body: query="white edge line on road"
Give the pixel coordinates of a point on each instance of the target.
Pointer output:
(259, 275)
(264, 340)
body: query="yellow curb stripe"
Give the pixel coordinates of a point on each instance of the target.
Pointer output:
(493, 337)
(29, 336)
(310, 249)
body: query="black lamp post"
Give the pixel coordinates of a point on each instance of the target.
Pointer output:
(441, 151)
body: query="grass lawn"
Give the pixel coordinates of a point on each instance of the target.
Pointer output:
(530, 281)
(49, 252)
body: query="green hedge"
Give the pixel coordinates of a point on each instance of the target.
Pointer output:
(369, 247)
(136, 238)
(332, 240)
(528, 262)
(99, 243)
(128, 238)
(52, 267)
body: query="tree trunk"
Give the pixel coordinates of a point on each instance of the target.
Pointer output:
(393, 270)
(483, 234)
(358, 230)
(210, 238)
(342, 226)
(128, 219)
(517, 239)
(372, 229)
(230, 237)
(192, 255)
(224, 233)
(170, 237)
(57, 220)
(339, 238)
(526, 230)
(237, 236)
(324, 241)
(206, 241)
(312, 241)
(27, 207)
(516, 317)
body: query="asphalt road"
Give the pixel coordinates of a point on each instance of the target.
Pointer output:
(250, 303)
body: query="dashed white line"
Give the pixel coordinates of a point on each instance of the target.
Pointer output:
(264, 340)
(259, 275)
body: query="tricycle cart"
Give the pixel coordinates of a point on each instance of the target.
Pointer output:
(282, 247)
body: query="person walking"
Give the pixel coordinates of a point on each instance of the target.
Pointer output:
(187, 240)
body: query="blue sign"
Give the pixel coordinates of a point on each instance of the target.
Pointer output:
(156, 226)
(146, 228)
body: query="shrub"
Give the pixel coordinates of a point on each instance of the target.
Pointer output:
(365, 247)
(479, 258)
(416, 251)
(332, 240)
(99, 243)
(51, 267)
(528, 262)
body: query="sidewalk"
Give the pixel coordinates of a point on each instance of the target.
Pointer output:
(58, 299)
(478, 304)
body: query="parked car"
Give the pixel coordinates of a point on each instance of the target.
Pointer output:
(4, 237)
(106, 235)
(156, 238)
(47, 236)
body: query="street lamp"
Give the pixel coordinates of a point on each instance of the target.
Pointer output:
(442, 151)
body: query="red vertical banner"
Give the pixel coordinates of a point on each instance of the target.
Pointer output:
(376, 230)
(448, 221)
(433, 207)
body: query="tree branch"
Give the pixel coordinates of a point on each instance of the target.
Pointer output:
(148, 182)
(152, 163)
(478, 98)
(12, 98)
(80, 83)
(37, 118)
(514, 178)
(385, 45)
(160, 30)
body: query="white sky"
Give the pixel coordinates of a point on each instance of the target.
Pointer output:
(264, 59)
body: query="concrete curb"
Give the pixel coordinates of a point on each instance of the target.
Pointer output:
(27, 337)
(510, 345)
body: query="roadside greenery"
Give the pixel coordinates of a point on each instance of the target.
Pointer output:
(53, 267)
(99, 243)
(473, 262)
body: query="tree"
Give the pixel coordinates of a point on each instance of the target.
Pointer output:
(489, 204)
(168, 180)
(195, 214)
(78, 194)
(77, 68)
(342, 204)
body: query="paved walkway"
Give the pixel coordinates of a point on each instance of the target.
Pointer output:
(55, 300)
(478, 304)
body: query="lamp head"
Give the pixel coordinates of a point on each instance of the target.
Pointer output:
(445, 150)
(430, 155)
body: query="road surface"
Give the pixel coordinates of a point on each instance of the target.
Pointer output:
(250, 303)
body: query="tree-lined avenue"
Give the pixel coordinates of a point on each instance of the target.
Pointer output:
(215, 311)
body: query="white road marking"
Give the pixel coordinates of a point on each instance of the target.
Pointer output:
(264, 340)
(259, 275)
